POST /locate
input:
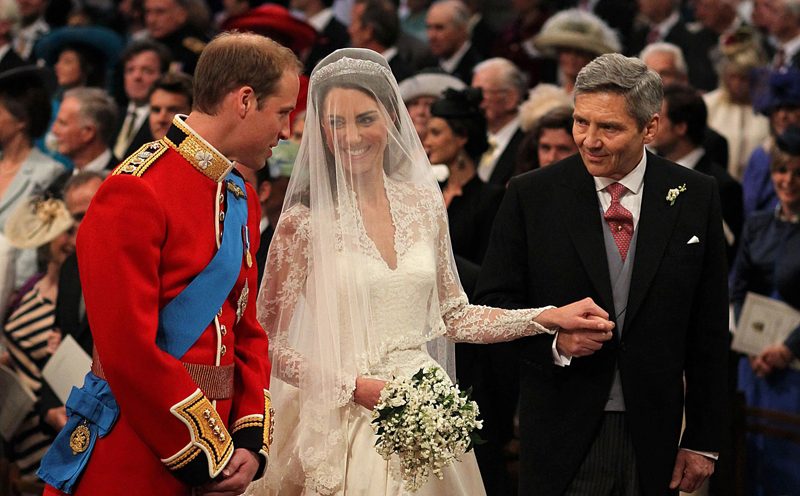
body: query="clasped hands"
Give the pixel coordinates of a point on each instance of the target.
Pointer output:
(583, 327)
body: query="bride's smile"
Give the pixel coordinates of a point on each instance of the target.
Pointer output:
(355, 129)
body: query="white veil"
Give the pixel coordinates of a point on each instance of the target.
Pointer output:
(314, 301)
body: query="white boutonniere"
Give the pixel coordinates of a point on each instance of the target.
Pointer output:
(673, 193)
(203, 158)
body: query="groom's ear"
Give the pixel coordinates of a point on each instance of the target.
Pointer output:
(245, 100)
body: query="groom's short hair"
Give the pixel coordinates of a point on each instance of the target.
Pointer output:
(626, 76)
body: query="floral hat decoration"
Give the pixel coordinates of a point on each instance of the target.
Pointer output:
(37, 221)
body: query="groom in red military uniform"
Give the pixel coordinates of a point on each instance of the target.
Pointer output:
(177, 402)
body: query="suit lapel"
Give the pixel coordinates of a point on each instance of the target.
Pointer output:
(656, 222)
(578, 202)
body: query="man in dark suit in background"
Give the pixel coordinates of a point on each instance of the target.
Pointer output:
(70, 308)
(447, 25)
(331, 34)
(504, 87)
(9, 21)
(680, 139)
(374, 24)
(642, 237)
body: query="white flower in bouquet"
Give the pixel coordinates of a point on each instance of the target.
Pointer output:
(427, 422)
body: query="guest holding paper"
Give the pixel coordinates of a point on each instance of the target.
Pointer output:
(47, 226)
(768, 263)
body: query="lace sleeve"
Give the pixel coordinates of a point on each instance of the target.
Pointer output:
(474, 323)
(284, 281)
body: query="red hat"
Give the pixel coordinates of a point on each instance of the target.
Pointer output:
(275, 22)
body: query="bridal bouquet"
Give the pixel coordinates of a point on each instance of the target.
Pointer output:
(427, 422)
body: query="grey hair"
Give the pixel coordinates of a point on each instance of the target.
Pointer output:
(626, 76)
(97, 107)
(664, 47)
(9, 12)
(458, 9)
(509, 73)
(79, 179)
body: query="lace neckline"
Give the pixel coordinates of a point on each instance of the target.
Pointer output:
(367, 244)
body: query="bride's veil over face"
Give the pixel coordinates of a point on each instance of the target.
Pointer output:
(315, 302)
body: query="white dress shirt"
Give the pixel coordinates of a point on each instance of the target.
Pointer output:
(501, 140)
(632, 200)
(98, 164)
(449, 65)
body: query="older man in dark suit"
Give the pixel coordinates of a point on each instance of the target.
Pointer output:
(643, 237)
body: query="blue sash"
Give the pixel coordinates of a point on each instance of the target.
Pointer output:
(92, 409)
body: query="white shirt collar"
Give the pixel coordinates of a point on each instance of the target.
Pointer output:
(690, 159)
(504, 135)
(389, 53)
(449, 65)
(4, 50)
(790, 48)
(664, 26)
(98, 164)
(321, 19)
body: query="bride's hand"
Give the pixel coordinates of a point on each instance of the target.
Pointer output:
(582, 315)
(368, 392)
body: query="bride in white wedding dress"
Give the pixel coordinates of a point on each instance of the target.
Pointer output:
(360, 286)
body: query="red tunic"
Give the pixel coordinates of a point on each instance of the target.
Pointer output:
(149, 231)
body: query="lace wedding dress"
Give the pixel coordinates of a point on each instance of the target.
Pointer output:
(412, 306)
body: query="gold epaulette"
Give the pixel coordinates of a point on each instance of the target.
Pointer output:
(195, 45)
(137, 163)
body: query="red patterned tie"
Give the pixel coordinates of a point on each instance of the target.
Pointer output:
(619, 219)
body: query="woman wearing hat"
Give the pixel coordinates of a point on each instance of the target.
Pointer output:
(46, 227)
(730, 109)
(575, 38)
(768, 263)
(781, 103)
(24, 170)
(420, 91)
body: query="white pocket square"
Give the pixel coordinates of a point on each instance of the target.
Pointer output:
(694, 240)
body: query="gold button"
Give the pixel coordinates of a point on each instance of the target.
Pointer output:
(222, 350)
(223, 330)
(219, 313)
(221, 216)
(221, 198)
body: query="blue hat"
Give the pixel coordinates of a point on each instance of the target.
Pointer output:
(782, 89)
(789, 141)
(103, 43)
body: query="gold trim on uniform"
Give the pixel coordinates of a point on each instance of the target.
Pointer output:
(256, 420)
(207, 431)
(269, 425)
(139, 161)
(200, 153)
(183, 457)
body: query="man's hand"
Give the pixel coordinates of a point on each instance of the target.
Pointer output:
(582, 315)
(580, 343)
(368, 392)
(56, 417)
(773, 357)
(691, 470)
(235, 477)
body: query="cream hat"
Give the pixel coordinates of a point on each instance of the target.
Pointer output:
(578, 30)
(428, 84)
(36, 222)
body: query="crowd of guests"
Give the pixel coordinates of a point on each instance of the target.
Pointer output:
(84, 84)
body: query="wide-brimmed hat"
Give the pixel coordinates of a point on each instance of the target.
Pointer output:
(772, 90)
(102, 41)
(578, 30)
(543, 98)
(743, 48)
(428, 84)
(37, 221)
(276, 22)
(21, 79)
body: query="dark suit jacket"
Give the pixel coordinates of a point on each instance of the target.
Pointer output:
(716, 146)
(507, 162)
(695, 45)
(463, 70)
(400, 68)
(10, 61)
(263, 250)
(730, 195)
(142, 136)
(333, 37)
(70, 318)
(547, 247)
